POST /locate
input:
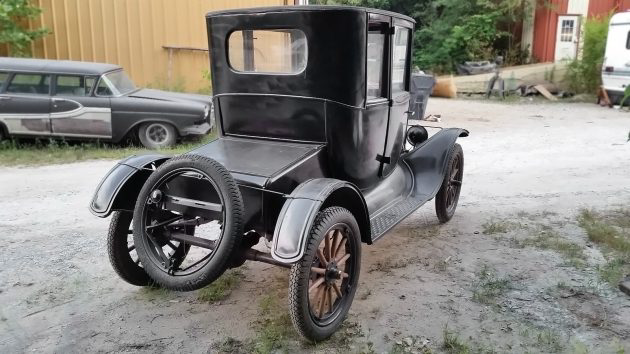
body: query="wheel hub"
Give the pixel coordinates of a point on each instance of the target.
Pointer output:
(332, 273)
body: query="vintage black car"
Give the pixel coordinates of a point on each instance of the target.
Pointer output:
(81, 100)
(314, 155)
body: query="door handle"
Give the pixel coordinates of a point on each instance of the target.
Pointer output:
(57, 100)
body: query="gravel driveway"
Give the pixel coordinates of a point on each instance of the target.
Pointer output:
(475, 281)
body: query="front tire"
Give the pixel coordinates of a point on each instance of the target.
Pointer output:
(323, 283)
(157, 135)
(448, 195)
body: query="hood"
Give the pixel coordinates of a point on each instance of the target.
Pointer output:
(171, 96)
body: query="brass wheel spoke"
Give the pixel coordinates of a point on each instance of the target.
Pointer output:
(317, 283)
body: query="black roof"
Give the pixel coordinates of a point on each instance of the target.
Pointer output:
(254, 10)
(56, 66)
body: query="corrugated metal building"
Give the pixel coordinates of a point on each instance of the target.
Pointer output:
(159, 42)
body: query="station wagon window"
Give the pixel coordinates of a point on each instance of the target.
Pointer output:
(74, 85)
(30, 84)
(3, 78)
(399, 59)
(280, 51)
(115, 83)
(375, 60)
(627, 44)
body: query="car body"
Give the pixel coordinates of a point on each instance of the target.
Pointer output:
(616, 67)
(82, 100)
(315, 155)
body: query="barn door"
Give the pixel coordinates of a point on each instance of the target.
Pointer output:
(567, 37)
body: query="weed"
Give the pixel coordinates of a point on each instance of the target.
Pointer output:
(390, 264)
(155, 292)
(489, 286)
(492, 227)
(233, 346)
(274, 327)
(613, 271)
(600, 230)
(547, 239)
(451, 342)
(550, 340)
(221, 288)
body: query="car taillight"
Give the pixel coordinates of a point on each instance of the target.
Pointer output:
(609, 69)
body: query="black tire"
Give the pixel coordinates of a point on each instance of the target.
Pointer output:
(448, 195)
(157, 135)
(119, 253)
(231, 230)
(317, 327)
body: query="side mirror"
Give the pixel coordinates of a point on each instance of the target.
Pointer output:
(417, 135)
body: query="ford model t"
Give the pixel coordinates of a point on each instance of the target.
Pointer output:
(315, 155)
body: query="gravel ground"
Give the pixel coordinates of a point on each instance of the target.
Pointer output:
(529, 167)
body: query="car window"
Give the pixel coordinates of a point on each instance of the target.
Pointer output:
(375, 56)
(3, 78)
(627, 42)
(103, 89)
(115, 83)
(74, 85)
(399, 59)
(36, 84)
(282, 51)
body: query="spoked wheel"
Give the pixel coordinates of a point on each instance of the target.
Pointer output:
(187, 222)
(448, 195)
(122, 252)
(322, 285)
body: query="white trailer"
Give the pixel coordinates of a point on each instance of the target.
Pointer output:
(616, 68)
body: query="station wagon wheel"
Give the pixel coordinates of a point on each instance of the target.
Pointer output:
(157, 135)
(322, 285)
(187, 222)
(448, 195)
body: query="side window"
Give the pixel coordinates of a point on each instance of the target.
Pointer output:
(74, 85)
(103, 89)
(399, 59)
(3, 78)
(375, 60)
(36, 84)
(627, 44)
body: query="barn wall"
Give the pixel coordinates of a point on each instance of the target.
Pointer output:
(545, 26)
(131, 33)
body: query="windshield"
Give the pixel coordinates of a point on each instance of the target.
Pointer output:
(115, 84)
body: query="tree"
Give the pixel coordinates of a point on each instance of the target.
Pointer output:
(14, 31)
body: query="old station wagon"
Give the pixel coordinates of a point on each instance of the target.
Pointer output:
(315, 155)
(81, 100)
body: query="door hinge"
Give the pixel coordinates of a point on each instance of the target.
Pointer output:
(383, 159)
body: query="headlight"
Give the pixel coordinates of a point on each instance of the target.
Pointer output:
(206, 111)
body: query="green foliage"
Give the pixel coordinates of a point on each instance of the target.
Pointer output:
(626, 95)
(449, 32)
(584, 75)
(14, 16)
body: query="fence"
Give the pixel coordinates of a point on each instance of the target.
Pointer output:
(161, 43)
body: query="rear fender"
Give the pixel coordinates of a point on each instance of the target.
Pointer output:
(301, 207)
(119, 188)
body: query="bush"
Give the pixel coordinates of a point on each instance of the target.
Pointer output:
(584, 75)
(14, 16)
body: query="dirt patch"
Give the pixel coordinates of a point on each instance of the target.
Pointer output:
(540, 279)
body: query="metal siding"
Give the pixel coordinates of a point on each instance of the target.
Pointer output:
(131, 33)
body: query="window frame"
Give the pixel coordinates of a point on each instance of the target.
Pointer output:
(85, 77)
(407, 68)
(377, 21)
(249, 61)
(628, 41)
(112, 87)
(13, 75)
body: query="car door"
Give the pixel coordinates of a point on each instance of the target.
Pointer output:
(25, 104)
(399, 96)
(76, 112)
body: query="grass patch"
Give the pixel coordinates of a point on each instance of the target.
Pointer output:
(47, 152)
(155, 292)
(221, 288)
(547, 239)
(546, 340)
(488, 286)
(275, 330)
(612, 232)
(453, 344)
(492, 227)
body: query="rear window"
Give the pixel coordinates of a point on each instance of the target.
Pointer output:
(278, 51)
(30, 84)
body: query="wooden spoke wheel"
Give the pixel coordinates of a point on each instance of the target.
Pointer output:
(322, 285)
(448, 195)
(187, 222)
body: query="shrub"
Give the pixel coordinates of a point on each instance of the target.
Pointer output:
(584, 74)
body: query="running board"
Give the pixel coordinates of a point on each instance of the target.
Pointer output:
(392, 215)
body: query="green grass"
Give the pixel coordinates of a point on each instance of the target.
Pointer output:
(488, 286)
(274, 327)
(221, 288)
(47, 152)
(453, 344)
(492, 227)
(546, 238)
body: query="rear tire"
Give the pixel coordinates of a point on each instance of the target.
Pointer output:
(118, 246)
(157, 135)
(313, 312)
(448, 195)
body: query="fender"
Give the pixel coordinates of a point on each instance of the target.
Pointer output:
(429, 160)
(120, 186)
(299, 211)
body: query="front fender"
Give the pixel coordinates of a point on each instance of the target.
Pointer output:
(120, 186)
(301, 208)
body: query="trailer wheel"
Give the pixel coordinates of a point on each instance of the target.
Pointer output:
(323, 283)
(188, 191)
(448, 195)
